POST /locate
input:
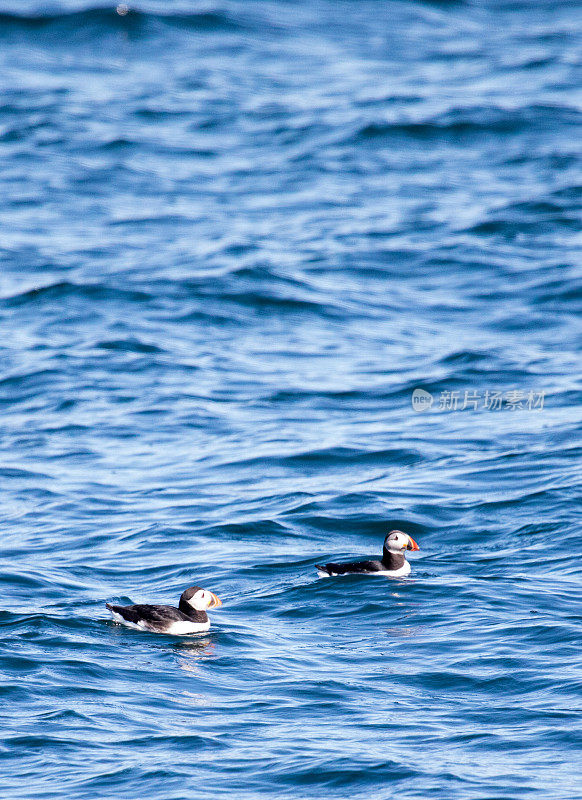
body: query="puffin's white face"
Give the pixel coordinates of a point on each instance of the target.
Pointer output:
(396, 541)
(204, 599)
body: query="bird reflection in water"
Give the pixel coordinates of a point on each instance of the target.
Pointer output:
(190, 653)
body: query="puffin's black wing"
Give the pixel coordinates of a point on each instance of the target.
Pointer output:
(151, 615)
(352, 568)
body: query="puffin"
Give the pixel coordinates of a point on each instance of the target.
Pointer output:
(392, 563)
(189, 617)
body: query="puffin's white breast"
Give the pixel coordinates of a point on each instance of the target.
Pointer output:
(184, 628)
(395, 573)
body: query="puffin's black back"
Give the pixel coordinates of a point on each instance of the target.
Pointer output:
(352, 567)
(155, 616)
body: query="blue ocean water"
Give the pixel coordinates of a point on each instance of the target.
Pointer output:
(236, 237)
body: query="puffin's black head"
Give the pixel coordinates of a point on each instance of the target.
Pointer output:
(397, 541)
(200, 599)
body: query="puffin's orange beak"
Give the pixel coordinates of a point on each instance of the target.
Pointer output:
(412, 544)
(216, 601)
